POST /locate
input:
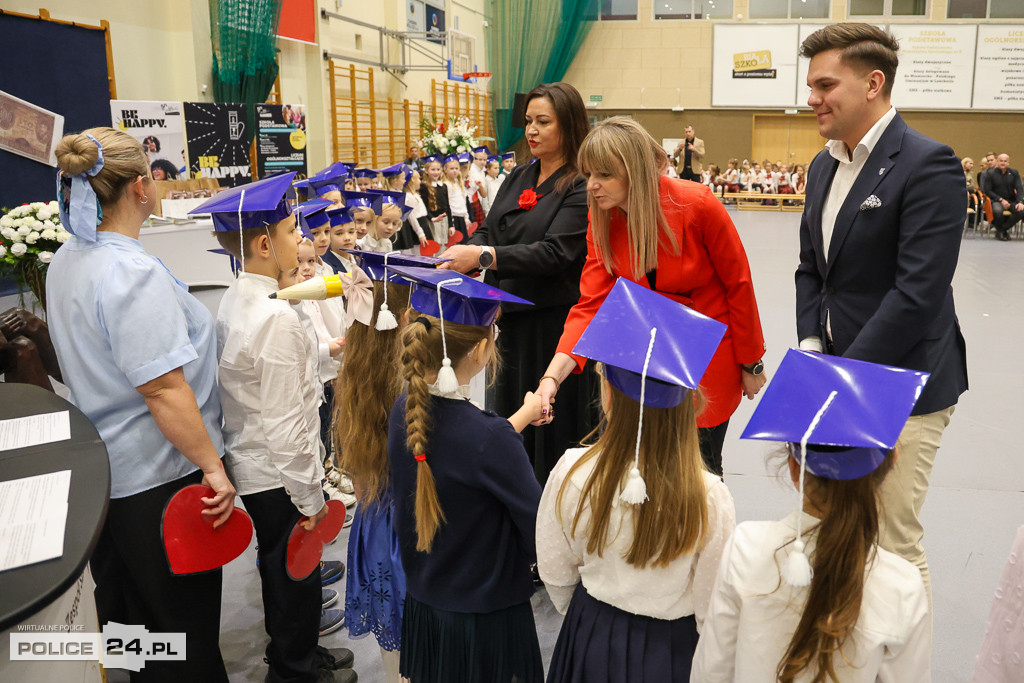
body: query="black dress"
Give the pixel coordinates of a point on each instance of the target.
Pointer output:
(539, 253)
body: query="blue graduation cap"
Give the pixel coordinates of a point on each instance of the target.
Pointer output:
(384, 197)
(463, 299)
(493, 157)
(455, 298)
(621, 331)
(396, 169)
(451, 157)
(311, 215)
(252, 205)
(433, 157)
(365, 173)
(508, 155)
(867, 406)
(464, 158)
(357, 200)
(373, 262)
(338, 216)
(845, 414)
(330, 179)
(481, 148)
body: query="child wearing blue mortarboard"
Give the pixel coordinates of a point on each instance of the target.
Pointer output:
(455, 185)
(813, 597)
(327, 184)
(411, 236)
(389, 208)
(465, 494)
(630, 531)
(269, 392)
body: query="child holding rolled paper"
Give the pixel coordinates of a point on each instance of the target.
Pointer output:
(813, 597)
(268, 390)
(630, 531)
(465, 495)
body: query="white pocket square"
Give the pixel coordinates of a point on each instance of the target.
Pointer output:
(871, 202)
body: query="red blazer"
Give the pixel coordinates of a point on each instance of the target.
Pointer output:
(710, 275)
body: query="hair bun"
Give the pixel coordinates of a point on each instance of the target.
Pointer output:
(76, 153)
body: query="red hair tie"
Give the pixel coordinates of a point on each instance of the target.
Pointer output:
(422, 457)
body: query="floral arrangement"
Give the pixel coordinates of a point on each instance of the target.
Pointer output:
(453, 137)
(29, 234)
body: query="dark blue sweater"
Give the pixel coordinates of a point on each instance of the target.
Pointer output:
(481, 557)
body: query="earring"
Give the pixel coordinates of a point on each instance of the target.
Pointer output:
(145, 200)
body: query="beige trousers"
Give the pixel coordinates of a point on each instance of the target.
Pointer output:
(903, 491)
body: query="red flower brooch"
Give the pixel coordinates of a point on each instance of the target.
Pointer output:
(528, 199)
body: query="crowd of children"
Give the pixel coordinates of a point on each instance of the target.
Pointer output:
(364, 398)
(764, 177)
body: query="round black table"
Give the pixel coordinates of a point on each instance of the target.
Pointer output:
(26, 590)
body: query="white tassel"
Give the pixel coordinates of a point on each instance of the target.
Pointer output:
(635, 490)
(385, 318)
(447, 383)
(797, 571)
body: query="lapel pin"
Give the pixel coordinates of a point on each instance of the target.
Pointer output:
(881, 170)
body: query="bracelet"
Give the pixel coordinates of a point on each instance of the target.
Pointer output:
(558, 385)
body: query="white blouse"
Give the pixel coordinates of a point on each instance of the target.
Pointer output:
(753, 614)
(457, 198)
(678, 590)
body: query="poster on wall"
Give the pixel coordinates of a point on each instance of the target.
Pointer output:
(28, 130)
(936, 66)
(280, 139)
(415, 16)
(754, 65)
(435, 23)
(217, 143)
(999, 68)
(160, 128)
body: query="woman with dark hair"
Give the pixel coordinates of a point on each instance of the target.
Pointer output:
(533, 244)
(163, 170)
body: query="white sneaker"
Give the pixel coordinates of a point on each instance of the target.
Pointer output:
(345, 484)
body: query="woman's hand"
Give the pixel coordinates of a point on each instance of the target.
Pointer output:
(223, 500)
(463, 258)
(752, 383)
(336, 346)
(309, 523)
(546, 390)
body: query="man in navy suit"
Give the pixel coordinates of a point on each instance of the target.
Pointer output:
(879, 240)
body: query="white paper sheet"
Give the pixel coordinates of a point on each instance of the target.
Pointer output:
(33, 514)
(33, 430)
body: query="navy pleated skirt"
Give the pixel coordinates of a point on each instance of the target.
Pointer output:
(600, 643)
(439, 646)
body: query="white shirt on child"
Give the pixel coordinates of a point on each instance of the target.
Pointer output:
(753, 615)
(332, 310)
(457, 198)
(414, 201)
(491, 185)
(678, 590)
(370, 243)
(316, 327)
(268, 390)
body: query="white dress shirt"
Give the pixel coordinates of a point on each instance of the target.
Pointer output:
(370, 243)
(753, 615)
(457, 198)
(842, 182)
(316, 328)
(414, 201)
(678, 590)
(491, 185)
(268, 390)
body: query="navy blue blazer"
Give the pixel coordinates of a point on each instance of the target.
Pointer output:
(886, 281)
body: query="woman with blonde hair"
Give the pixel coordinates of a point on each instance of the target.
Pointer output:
(630, 531)
(139, 354)
(673, 237)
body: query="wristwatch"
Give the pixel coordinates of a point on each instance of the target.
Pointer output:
(754, 368)
(486, 259)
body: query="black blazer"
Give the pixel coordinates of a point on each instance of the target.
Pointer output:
(539, 252)
(886, 281)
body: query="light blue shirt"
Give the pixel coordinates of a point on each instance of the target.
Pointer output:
(119, 319)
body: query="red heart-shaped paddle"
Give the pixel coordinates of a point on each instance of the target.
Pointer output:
(431, 248)
(191, 542)
(455, 239)
(306, 548)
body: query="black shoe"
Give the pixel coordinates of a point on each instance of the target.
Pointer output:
(331, 571)
(339, 658)
(342, 676)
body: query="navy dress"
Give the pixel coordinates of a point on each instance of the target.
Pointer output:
(467, 609)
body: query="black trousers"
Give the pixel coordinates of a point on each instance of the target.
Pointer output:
(1004, 219)
(291, 608)
(688, 174)
(711, 440)
(134, 585)
(326, 413)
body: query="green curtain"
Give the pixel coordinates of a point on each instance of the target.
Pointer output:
(531, 42)
(244, 36)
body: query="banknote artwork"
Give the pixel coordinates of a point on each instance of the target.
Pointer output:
(28, 130)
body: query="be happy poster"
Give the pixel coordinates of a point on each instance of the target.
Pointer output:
(218, 143)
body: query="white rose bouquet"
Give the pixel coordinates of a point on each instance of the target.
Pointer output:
(29, 235)
(439, 137)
